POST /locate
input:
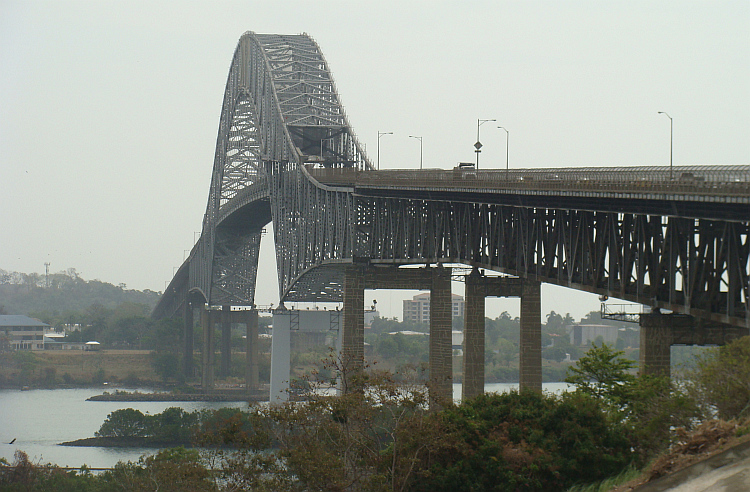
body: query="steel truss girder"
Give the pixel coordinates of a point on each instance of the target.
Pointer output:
(692, 266)
(235, 267)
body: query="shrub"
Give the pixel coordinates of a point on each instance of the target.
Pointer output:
(525, 441)
(721, 379)
(126, 422)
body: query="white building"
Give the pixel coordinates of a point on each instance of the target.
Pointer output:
(418, 308)
(22, 332)
(582, 335)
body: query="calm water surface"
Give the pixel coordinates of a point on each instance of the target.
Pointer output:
(41, 419)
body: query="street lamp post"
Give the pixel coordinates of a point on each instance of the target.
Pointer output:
(478, 145)
(507, 136)
(671, 139)
(380, 134)
(420, 149)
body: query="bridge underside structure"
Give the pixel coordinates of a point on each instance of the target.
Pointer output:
(286, 155)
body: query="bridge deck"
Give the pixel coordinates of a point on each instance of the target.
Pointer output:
(724, 184)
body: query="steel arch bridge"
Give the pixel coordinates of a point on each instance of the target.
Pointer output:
(676, 238)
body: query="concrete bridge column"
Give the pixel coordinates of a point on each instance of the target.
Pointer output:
(187, 353)
(251, 350)
(281, 349)
(207, 355)
(353, 340)
(226, 341)
(441, 352)
(660, 331)
(473, 366)
(655, 346)
(530, 360)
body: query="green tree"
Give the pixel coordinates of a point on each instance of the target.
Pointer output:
(655, 407)
(720, 380)
(166, 365)
(506, 351)
(126, 422)
(650, 407)
(604, 374)
(170, 470)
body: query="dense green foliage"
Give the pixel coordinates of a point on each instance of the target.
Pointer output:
(721, 380)
(522, 441)
(170, 470)
(173, 424)
(651, 407)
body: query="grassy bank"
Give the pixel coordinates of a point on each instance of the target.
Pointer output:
(52, 369)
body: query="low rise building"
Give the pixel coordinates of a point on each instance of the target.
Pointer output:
(22, 332)
(583, 335)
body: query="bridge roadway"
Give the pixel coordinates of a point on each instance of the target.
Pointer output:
(673, 238)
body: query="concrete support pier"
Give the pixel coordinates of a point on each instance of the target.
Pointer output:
(226, 341)
(281, 350)
(437, 281)
(207, 353)
(660, 331)
(441, 352)
(353, 342)
(251, 350)
(473, 363)
(530, 360)
(187, 352)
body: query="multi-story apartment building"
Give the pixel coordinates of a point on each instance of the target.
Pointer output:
(418, 308)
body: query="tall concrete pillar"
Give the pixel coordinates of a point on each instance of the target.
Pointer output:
(474, 343)
(251, 350)
(530, 360)
(226, 341)
(353, 340)
(187, 352)
(207, 355)
(281, 349)
(441, 352)
(656, 343)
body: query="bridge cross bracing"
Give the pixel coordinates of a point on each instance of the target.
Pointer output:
(286, 155)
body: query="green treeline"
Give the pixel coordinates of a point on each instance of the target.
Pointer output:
(89, 310)
(64, 293)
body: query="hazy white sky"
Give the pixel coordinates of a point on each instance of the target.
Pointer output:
(109, 110)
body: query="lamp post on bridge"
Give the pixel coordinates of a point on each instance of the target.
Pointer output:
(420, 149)
(507, 136)
(671, 139)
(380, 134)
(478, 145)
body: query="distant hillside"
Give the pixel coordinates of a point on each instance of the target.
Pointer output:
(62, 292)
